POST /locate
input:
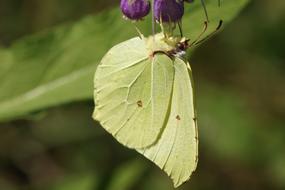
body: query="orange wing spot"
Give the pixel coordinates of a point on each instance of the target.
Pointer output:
(178, 117)
(139, 103)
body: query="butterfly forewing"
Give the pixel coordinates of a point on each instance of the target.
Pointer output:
(176, 151)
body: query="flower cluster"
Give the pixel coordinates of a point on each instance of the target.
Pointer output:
(164, 10)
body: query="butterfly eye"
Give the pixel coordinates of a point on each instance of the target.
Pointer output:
(135, 9)
(180, 46)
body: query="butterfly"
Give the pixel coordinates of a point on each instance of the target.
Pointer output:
(143, 92)
(144, 97)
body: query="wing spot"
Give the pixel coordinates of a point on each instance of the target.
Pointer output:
(139, 103)
(194, 118)
(178, 117)
(196, 159)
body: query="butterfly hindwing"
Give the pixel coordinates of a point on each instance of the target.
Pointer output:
(132, 93)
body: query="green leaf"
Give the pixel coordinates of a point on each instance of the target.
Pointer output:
(57, 66)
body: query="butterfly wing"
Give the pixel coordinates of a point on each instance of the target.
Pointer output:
(132, 93)
(176, 152)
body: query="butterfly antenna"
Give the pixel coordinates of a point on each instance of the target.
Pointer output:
(210, 35)
(200, 35)
(205, 10)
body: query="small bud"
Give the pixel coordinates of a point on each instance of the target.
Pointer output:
(135, 9)
(168, 10)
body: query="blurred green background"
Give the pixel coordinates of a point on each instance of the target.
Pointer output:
(240, 89)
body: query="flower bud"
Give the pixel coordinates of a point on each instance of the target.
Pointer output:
(168, 10)
(135, 9)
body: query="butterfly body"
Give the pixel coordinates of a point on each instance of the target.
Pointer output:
(179, 50)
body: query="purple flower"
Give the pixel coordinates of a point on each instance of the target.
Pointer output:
(168, 10)
(135, 9)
